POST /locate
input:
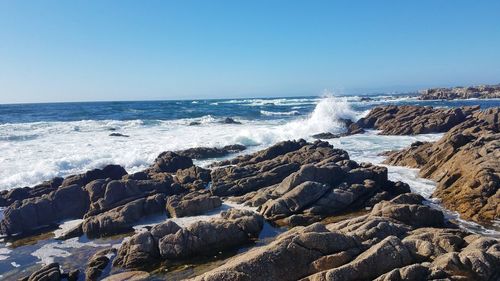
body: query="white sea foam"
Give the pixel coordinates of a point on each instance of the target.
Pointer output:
(279, 113)
(324, 118)
(4, 253)
(276, 102)
(64, 148)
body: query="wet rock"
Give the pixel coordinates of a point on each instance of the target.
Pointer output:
(8, 197)
(114, 172)
(191, 204)
(334, 184)
(233, 228)
(106, 195)
(465, 165)
(139, 251)
(411, 214)
(69, 202)
(476, 92)
(274, 151)
(122, 218)
(315, 192)
(326, 136)
(50, 272)
(211, 152)
(170, 162)
(351, 129)
(229, 120)
(192, 174)
(414, 272)
(387, 254)
(295, 200)
(97, 263)
(412, 120)
(118, 135)
(270, 166)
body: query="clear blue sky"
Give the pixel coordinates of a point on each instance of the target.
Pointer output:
(136, 50)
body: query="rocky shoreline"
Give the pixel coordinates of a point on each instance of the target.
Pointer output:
(465, 164)
(472, 92)
(384, 232)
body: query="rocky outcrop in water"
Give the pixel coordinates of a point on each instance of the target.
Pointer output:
(211, 152)
(297, 182)
(474, 92)
(464, 163)
(30, 214)
(399, 240)
(97, 263)
(413, 120)
(168, 241)
(352, 128)
(51, 272)
(110, 171)
(123, 218)
(108, 203)
(270, 166)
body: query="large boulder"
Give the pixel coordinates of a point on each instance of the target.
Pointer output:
(8, 197)
(30, 214)
(413, 120)
(170, 162)
(51, 272)
(110, 171)
(122, 218)
(170, 242)
(211, 152)
(97, 263)
(191, 204)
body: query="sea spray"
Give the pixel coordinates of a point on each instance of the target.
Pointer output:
(326, 117)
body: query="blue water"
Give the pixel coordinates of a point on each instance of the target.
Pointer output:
(41, 141)
(170, 110)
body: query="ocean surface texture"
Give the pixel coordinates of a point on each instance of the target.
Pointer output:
(41, 141)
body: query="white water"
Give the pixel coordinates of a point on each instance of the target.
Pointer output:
(34, 152)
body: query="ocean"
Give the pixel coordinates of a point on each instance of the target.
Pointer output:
(41, 141)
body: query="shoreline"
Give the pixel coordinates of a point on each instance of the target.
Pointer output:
(275, 182)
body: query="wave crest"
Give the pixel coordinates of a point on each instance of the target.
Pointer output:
(272, 113)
